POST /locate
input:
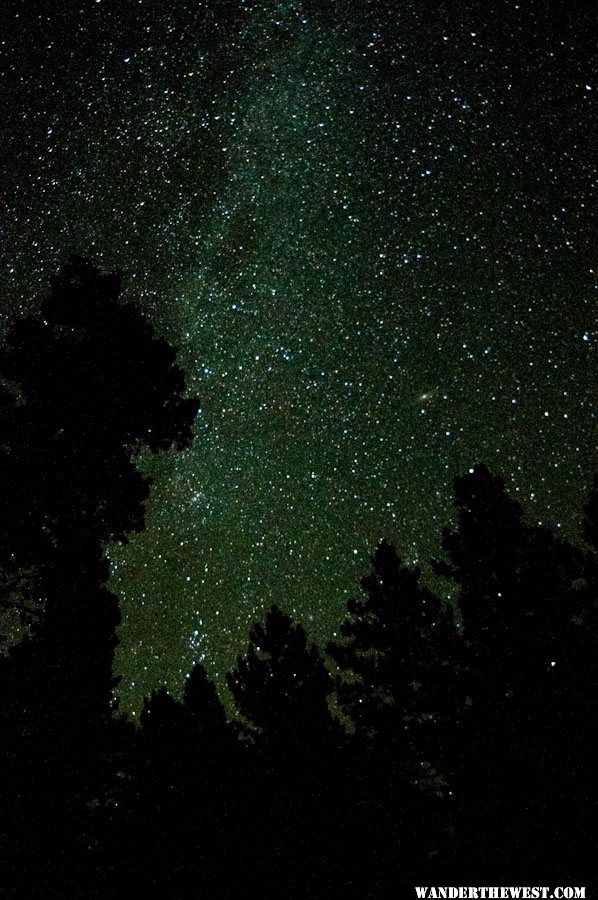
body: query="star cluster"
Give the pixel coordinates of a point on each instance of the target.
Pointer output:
(366, 226)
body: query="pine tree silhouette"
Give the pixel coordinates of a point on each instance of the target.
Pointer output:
(402, 654)
(402, 644)
(203, 707)
(516, 598)
(214, 780)
(291, 825)
(180, 822)
(281, 686)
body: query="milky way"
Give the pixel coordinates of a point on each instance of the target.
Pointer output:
(367, 227)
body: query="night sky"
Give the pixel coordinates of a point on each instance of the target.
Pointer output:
(368, 228)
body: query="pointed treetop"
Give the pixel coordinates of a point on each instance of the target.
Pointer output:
(201, 702)
(281, 685)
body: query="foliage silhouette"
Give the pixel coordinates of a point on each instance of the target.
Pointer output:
(517, 603)
(401, 642)
(281, 688)
(85, 386)
(402, 653)
(180, 797)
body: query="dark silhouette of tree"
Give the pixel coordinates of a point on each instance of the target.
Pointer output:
(485, 553)
(161, 728)
(203, 707)
(86, 385)
(178, 820)
(281, 686)
(401, 643)
(148, 825)
(516, 586)
(292, 813)
(575, 746)
(91, 386)
(401, 653)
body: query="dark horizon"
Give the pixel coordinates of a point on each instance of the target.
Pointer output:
(368, 232)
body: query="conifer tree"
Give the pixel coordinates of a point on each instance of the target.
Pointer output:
(516, 595)
(290, 828)
(214, 781)
(515, 584)
(178, 797)
(399, 659)
(281, 686)
(203, 708)
(402, 645)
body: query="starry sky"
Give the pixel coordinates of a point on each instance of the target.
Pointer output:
(367, 226)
